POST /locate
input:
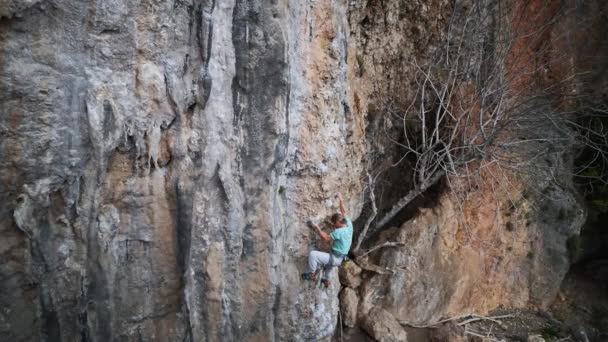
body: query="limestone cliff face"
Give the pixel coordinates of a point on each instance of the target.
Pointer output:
(502, 241)
(476, 255)
(158, 160)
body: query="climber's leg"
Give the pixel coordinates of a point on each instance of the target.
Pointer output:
(334, 262)
(316, 260)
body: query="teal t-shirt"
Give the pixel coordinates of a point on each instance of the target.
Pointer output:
(343, 237)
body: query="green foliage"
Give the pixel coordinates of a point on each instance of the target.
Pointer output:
(598, 197)
(281, 190)
(593, 171)
(512, 206)
(530, 255)
(600, 204)
(412, 125)
(371, 108)
(550, 333)
(593, 182)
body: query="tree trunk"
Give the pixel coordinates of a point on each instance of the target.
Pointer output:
(404, 201)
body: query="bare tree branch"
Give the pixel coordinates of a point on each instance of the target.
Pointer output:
(483, 106)
(468, 318)
(405, 200)
(386, 244)
(372, 197)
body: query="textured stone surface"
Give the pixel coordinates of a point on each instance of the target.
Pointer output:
(383, 327)
(449, 332)
(349, 301)
(350, 274)
(9, 8)
(507, 254)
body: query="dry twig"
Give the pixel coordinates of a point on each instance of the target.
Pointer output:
(386, 244)
(469, 318)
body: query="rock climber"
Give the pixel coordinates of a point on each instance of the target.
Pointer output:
(340, 239)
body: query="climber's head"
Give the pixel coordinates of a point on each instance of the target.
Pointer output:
(338, 220)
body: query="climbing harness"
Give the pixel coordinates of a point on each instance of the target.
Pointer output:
(322, 275)
(332, 259)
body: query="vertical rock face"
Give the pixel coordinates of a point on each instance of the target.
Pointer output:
(157, 163)
(476, 255)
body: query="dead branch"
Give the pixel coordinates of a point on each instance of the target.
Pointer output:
(471, 107)
(469, 318)
(476, 318)
(373, 268)
(478, 334)
(483, 103)
(372, 197)
(405, 200)
(386, 244)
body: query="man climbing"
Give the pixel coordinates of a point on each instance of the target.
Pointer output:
(340, 239)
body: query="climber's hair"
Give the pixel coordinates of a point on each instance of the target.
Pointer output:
(338, 218)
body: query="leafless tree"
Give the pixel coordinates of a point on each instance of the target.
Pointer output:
(484, 102)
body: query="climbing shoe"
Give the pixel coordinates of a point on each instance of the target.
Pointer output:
(309, 276)
(325, 282)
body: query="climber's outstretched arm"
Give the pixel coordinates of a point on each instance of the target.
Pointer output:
(341, 203)
(321, 233)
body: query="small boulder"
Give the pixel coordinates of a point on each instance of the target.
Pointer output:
(535, 338)
(349, 301)
(350, 274)
(382, 326)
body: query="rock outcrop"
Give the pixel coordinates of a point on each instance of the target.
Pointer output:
(383, 327)
(349, 302)
(474, 256)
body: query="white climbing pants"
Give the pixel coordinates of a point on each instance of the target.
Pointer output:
(318, 259)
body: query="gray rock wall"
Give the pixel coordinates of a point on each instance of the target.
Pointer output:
(157, 163)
